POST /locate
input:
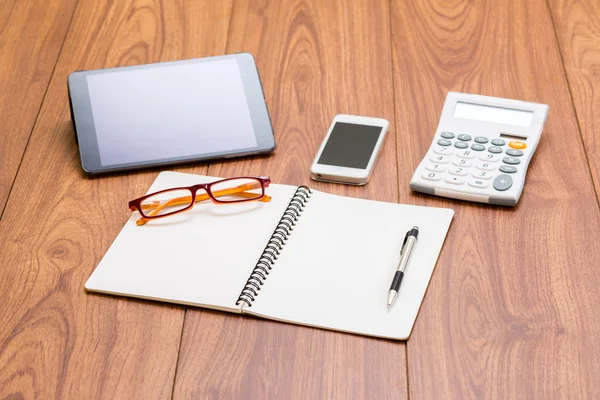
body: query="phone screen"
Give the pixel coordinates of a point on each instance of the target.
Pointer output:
(350, 145)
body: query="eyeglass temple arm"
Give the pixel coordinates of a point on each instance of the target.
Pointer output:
(238, 191)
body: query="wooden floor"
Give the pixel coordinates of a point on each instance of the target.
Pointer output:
(512, 311)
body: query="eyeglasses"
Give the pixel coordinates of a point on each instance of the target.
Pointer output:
(173, 201)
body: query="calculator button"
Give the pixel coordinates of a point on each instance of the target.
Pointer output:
(478, 147)
(495, 149)
(447, 135)
(460, 171)
(489, 157)
(511, 160)
(444, 142)
(486, 166)
(435, 167)
(498, 142)
(432, 176)
(482, 175)
(466, 154)
(440, 159)
(442, 150)
(481, 139)
(509, 169)
(464, 137)
(461, 145)
(503, 182)
(514, 153)
(462, 162)
(455, 180)
(517, 145)
(478, 183)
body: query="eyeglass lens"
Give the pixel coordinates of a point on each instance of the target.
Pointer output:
(238, 189)
(168, 202)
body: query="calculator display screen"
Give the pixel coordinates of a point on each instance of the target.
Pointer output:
(500, 115)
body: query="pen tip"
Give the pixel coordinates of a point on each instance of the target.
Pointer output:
(391, 297)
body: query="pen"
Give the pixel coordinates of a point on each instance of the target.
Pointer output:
(407, 246)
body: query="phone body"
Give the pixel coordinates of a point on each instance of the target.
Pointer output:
(350, 149)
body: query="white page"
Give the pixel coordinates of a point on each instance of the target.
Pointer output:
(201, 257)
(337, 266)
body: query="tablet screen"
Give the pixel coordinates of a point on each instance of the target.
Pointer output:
(170, 111)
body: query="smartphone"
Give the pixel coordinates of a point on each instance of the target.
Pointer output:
(349, 150)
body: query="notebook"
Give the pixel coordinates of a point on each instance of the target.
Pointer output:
(331, 269)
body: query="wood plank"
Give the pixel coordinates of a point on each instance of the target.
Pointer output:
(316, 59)
(510, 311)
(31, 34)
(56, 341)
(577, 25)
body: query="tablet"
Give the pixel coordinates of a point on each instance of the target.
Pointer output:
(169, 113)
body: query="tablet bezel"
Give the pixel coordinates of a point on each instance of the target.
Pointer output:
(85, 132)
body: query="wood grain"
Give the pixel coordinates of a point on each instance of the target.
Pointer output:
(577, 25)
(31, 33)
(316, 59)
(511, 309)
(55, 340)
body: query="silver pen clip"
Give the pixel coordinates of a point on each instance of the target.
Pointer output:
(404, 243)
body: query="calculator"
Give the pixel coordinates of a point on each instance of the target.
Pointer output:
(481, 149)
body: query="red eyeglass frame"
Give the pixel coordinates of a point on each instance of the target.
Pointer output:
(136, 204)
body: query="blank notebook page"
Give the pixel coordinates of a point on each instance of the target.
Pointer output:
(337, 266)
(201, 257)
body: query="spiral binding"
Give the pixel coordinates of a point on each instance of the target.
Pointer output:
(274, 246)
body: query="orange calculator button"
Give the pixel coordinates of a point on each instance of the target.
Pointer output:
(517, 145)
